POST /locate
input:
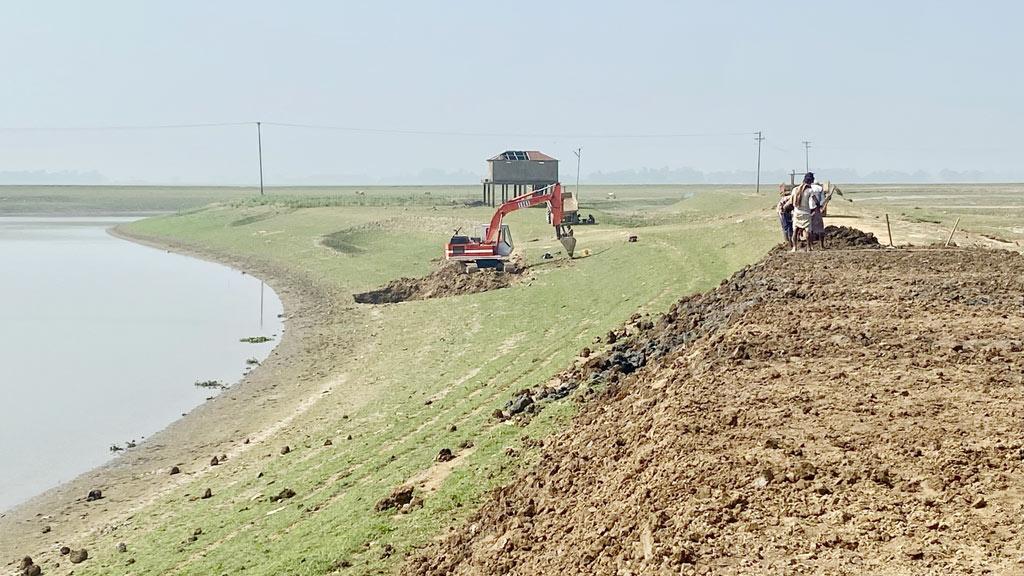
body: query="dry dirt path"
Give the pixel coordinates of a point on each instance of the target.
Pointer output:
(841, 412)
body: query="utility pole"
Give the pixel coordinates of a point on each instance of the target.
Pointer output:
(807, 155)
(259, 143)
(579, 153)
(759, 139)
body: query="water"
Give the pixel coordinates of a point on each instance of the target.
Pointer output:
(102, 340)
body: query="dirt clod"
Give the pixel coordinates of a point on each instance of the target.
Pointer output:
(175, 470)
(208, 493)
(28, 567)
(283, 495)
(445, 455)
(285, 450)
(399, 497)
(94, 495)
(518, 405)
(78, 556)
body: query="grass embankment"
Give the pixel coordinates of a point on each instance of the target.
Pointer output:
(400, 382)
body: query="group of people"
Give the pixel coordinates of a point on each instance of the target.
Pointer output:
(801, 214)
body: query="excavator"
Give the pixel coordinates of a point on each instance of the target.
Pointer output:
(494, 247)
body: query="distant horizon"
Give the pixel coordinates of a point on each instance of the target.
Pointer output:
(637, 177)
(569, 184)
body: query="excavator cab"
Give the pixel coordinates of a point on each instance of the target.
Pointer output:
(504, 246)
(502, 250)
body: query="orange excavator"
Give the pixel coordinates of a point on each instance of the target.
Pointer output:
(494, 248)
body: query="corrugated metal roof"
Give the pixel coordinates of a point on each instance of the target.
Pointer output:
(521, 155)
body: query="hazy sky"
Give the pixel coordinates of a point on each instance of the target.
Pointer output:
(875, 85)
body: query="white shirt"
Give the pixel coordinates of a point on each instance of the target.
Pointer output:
(817, 196)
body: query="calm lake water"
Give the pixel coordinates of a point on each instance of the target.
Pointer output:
(102, 341)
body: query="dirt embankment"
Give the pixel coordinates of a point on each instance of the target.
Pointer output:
(842, 412)
(447, 280)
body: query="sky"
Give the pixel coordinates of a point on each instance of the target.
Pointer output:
(405, 92)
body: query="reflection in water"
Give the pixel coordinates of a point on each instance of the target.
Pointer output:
(102, 341)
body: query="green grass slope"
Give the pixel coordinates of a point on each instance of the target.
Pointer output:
(466, 355)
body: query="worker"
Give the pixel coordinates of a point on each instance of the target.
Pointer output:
(802, 201)
(785, 210)
(817, 204)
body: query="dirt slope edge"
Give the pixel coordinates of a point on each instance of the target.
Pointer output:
(842, 412)
(449, 279)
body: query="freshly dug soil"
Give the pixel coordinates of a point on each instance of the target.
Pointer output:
(840, 412)
(841, 238)
(846, 237)
(448, 280)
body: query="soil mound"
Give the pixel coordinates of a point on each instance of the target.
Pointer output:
(841, 412)
(448, 280)
(846, 237)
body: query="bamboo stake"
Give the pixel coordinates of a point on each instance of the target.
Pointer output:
(889, 228)
(955, 224)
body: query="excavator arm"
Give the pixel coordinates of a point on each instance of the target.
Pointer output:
(551, 194)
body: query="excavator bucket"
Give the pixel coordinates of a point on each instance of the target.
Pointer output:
(569, 243)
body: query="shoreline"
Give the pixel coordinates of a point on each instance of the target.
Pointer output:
(136, 477)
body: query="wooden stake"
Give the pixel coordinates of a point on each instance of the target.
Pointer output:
(955, 224)
(889, 228)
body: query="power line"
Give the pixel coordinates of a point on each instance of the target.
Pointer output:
(363, 129)
(119, 128)
(500, 134)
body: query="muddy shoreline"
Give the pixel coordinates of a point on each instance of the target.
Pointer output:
(138, 476)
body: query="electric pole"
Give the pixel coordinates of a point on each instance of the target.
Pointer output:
(579, 153)
(259, 143)
(807, 155)
(759, 139)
